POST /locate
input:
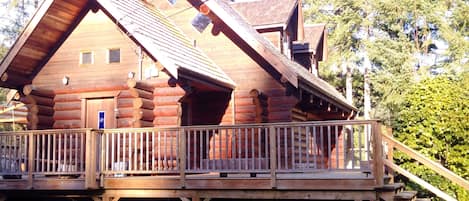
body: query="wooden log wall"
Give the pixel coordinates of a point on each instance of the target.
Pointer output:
(40, 104)
(67, 111)
(135, 105)
(167, 106)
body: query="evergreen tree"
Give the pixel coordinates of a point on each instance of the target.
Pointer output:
(409, 43)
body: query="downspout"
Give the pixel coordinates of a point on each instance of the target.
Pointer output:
(140, 63)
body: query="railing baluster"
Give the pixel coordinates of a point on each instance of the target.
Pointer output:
(159, 150)
(201, 148)
(48, 169)
(322, 157)
(329, 147)
(43, 151)
(108, 162)
(308, 148)
(213, 158)
(246, 149)
(147, 152)
(259, 148)
(207, 149)
(135, 151)
(141, 150)
(77, 149)
(292, 139)
(189, 148)
(337, 145)
(131, 167)
(352, 146)
(59, 154)
(344, 142)
(153, 150)
(118, 152)
(124, 155)
(360, 147)
(70, 151)
(239, 156)
(285, 146)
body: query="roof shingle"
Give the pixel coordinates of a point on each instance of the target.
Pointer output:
(265, 12)
(163, 40)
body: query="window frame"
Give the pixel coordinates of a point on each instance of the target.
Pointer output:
(108, 56)
(81, 57)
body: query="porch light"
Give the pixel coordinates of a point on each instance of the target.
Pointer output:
(131, 75)
(65, 80)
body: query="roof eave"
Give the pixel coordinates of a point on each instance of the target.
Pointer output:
(306, 85)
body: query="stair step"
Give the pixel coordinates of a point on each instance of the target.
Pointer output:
(406, 196)
(395, 187)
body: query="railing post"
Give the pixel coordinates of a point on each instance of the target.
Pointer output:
(31, 160)
(273, 157)
(182, 157)
(390, 151)
(90, 154)
(102, 166)
(378, 164)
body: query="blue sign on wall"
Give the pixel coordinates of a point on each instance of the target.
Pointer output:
(101, 115)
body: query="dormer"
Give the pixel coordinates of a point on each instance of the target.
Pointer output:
(312, 49)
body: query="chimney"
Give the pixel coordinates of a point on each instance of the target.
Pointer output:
(301, 29)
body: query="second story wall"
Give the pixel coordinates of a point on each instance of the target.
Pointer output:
(95, 35)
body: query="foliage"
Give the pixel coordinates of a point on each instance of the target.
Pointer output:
(418, 50)
(434, 120)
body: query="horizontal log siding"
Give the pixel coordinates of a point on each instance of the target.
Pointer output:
(86, 37)
(245, 72)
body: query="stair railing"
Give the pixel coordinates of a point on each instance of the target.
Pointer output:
(428, 163)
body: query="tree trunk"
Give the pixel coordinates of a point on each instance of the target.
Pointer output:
(366, 88)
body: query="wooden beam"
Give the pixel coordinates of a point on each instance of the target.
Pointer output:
(84, 10)
(18, 120)
(11, 108)
(14, 77)
(20, 42)
(32, 90)
(131, 83)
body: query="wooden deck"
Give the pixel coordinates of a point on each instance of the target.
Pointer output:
(311, 160)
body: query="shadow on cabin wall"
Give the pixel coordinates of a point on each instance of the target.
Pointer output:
(205, 108)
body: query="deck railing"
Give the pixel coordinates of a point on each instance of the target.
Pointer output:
(301, 147)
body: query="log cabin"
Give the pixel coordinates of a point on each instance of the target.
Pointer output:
(126, 99)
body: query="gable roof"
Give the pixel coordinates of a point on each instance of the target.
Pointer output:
(255, 12)
(314, 41)
(146, 25)
(290, 71)
(314, 33)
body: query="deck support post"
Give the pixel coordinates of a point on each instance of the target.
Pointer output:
(273, 157)
(182, 157)
(31, 160)
(91, 154)
(378, 166)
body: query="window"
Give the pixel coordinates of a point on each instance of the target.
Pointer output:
(86, 57)
(114, 55)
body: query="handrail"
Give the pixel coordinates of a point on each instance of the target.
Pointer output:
(309, 123)
(419, 181)
(429, 163)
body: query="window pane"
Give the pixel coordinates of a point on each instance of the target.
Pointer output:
(86, 57)
(114, 56)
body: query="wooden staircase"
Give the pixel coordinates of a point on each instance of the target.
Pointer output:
(397, 192)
